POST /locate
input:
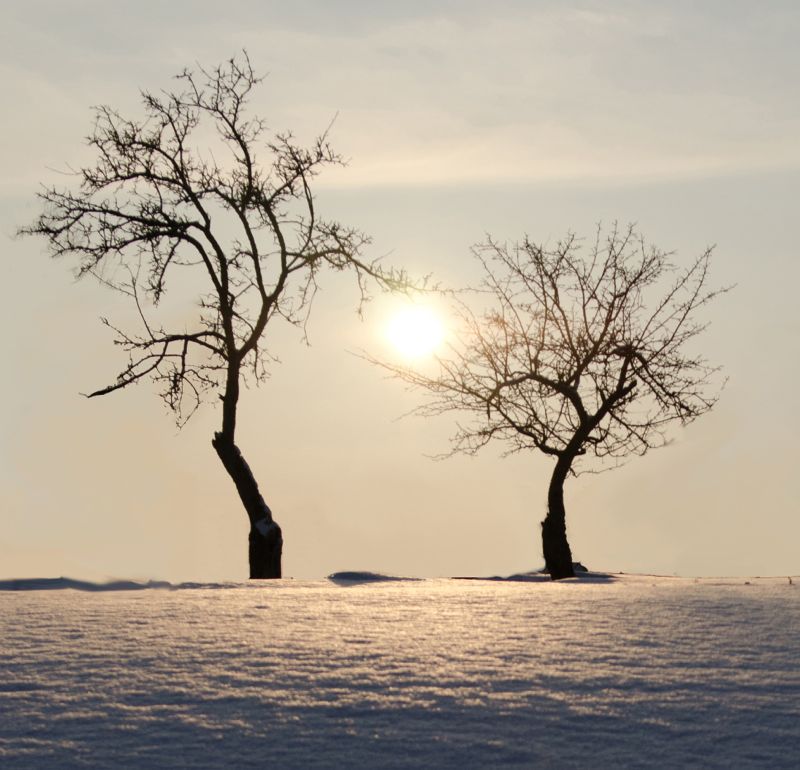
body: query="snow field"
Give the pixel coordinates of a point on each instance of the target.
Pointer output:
(359, 673)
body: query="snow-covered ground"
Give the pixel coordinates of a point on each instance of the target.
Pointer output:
(626, 671)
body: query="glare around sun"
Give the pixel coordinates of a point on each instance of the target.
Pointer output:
(415, 331)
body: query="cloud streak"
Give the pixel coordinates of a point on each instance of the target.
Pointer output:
(449, 94)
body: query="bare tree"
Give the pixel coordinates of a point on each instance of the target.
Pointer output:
(200, 196)
(583, 352)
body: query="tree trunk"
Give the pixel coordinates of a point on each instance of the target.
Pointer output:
(556, 550)
(266, 541)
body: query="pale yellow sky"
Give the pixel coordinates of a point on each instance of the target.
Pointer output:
(459, 120)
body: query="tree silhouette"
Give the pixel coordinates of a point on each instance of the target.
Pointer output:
(198, 195)
(582, 352)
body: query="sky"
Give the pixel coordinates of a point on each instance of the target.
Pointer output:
(458, 119)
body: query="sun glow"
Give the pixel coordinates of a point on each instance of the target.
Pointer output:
(415, 331)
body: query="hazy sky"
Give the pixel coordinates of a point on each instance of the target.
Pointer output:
(459, 118)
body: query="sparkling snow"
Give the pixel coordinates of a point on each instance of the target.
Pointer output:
(357, 672)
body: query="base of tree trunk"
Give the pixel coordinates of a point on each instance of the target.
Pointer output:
(556, 550)
(266, 539)
(266, 547)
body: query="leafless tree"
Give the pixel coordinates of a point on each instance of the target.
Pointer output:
(200, 196)
(581, 352)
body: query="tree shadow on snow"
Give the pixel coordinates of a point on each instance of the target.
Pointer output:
(582, 575)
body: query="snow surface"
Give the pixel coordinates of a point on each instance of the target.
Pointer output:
(363, 671)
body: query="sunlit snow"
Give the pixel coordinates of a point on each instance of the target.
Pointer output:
(358, 672)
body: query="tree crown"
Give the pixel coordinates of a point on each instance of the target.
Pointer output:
(580, 350)
(199, 193)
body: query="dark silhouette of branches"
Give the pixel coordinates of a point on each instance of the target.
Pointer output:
(158, 203)
(198, 193)
(582, 352)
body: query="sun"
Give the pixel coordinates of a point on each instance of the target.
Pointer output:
(415, 331)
